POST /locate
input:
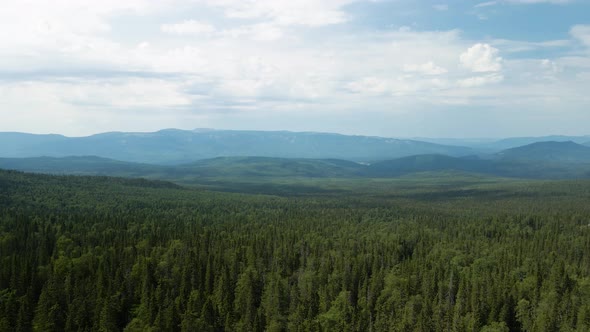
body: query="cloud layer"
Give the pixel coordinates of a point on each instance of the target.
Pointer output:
(270, 64)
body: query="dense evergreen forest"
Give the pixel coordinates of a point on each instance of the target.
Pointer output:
(108, 254)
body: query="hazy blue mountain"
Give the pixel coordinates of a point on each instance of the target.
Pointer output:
(485, 147)
(561, 152)
(29, 145)
(514, 142)
(180, 146)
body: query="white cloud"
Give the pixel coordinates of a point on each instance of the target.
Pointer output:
(118, 94)
(521, 2)
(486, 4)
(551, 66)
(257, 32)
(261, 58)
(80, 107)
(516, 46)
(441, 7)
(286, 12)
(581, 33)
(369, 86)
(129, 93)
(189, 27)
(477, 81)
(482, 58)
(428, 68)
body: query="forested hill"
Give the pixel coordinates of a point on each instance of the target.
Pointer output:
(102, 254)
(556, 165)
(79, 165)
(429, 163)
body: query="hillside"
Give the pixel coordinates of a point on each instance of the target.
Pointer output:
(222, 167)
(561, 152)
(180, 146)
(428, 163)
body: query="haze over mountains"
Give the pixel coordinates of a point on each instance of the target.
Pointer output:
(189, 156)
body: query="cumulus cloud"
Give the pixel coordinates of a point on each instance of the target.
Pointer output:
(482, 58)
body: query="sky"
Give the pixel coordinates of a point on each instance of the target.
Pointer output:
(394, 68)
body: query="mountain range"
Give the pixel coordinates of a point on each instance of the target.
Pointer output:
(174, 146)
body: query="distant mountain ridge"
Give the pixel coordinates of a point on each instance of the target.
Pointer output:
(173, 146)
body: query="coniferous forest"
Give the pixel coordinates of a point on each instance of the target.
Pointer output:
(109, 254)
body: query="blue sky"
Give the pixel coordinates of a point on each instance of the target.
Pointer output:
(393, 68)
